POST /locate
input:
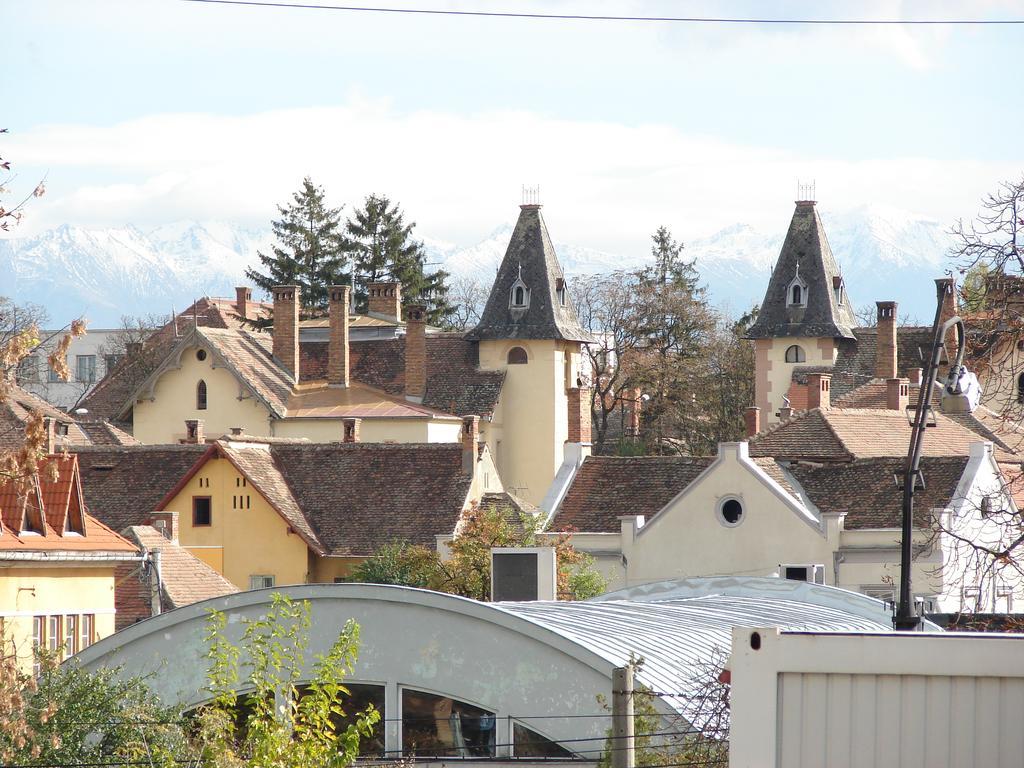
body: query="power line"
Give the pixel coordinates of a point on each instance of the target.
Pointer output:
(593, 17)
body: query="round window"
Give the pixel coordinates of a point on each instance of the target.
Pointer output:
(730, 512)
(201, 354)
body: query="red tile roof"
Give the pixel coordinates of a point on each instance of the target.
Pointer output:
(53, 498)
(185, 579)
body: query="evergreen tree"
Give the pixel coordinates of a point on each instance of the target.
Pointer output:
(310, 249)
(384, 251)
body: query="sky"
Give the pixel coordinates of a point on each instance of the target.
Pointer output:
(147, 112)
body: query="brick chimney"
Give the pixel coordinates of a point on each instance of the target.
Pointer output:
(350, 430)
(194, 432)
(785, 413)
(167, 523)
(819, 390)
(897, 394)
(579, 415)
(385, 299)
(915, 375)
(243, 295)
(416, 353)
(337, 347)
(50, 427)
(885, 359)
(752, 418)
(948, 312)
(286, 327)
(470, 444)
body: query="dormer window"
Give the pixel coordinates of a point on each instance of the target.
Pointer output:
(560, 291)
(519, 295)
(837, 289)
(796, 291)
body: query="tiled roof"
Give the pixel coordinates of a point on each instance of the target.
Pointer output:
(122, 485)
(455, 384)
(360, 496)
(349, 499)
(54, 501)
(865, 490)
(356, 400)
(843, 434)
(107, 398)
(249, 355)
(806, 250)
(185, 579)
(856, 358)
(531, 258)
(606, 488)
(19, 403)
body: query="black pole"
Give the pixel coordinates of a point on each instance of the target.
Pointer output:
(906, 617)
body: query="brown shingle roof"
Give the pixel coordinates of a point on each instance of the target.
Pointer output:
(606, 488)
(455, 384)
(842, 434)
(185, 579)
(866, 492)
(122, 485)
(360, 496)
(855, 361)
(19, 403)
(107, 398)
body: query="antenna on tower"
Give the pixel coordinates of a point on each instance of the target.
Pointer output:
(805, 193)
(531, 195)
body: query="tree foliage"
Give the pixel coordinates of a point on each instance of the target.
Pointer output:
(384, 250)
(310, 249)
(663, 350)
(467, 569)
(302, 731)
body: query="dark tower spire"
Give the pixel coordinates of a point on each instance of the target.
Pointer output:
(530, 298)
(806, 295)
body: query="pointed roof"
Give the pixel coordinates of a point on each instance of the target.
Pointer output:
(531, 261)
(807, 259)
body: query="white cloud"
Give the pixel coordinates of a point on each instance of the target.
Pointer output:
(606, 185)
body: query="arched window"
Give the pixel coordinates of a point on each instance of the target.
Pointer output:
(517, 356)
(519, 295)
(1020, 388)
(798, 295)
(795, 354)
(201, 395)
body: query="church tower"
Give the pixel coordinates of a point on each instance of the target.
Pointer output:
(529, 330)
(804, 316)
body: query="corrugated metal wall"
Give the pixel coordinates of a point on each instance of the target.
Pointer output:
(900, 720)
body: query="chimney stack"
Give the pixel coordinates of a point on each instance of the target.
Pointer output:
(948, 312)
(337, 347)
(51, 435)
(167, 523)
(897, 394)
(286, 327)
(350, 430)
(385, 299)
(819, 390)
(242, 298)
(470, 443)
(916, 374)
(885, 360)
(752, 419)
(785, 413)
(194, 432)
(579, 415)
(416, 353)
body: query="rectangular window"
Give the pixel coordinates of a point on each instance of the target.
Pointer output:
(52, 376)
(53, 634)
(261, 581)
(202, 511)
(38, 640)
(85, 368)
(88, 629)
(70, 635)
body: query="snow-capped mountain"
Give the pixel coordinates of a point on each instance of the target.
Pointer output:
(107, 273)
